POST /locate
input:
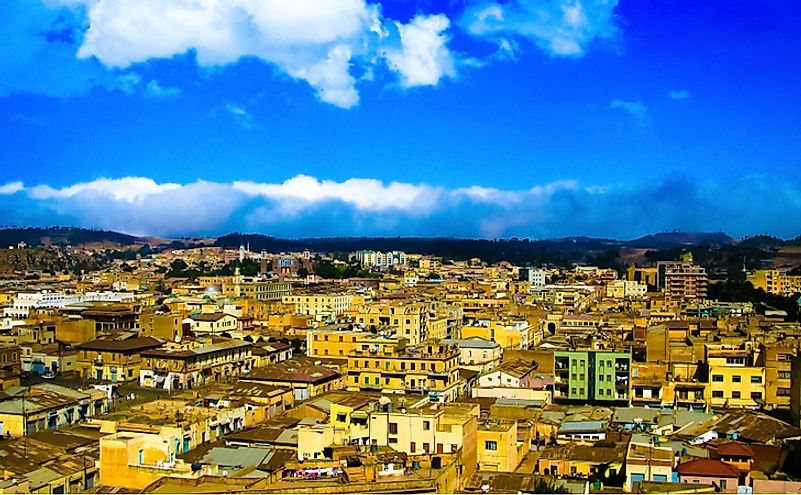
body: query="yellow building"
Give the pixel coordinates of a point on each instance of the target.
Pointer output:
(777, 361)
(776, 282)
(410, 319)
(261, 290)
(733, 380)
(508, 334)
(429, 369)
(212, 323)
(166, 326)
(48, 406)
(338, 341)
(135, 460)
(498, 448)
(578, 460)
(178, 367)
(113, 359)
(320, 306)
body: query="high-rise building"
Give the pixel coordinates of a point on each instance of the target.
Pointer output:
(682, 280)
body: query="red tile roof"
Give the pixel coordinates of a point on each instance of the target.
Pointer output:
(735, 449)
(708, 467)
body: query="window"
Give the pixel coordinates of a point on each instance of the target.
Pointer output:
(717, 378)
(756, 379)
(427, 447)
(717, 394)
(736, 378)
(490, 445)
(581, 391)
(784, 375)
(783, 392)
(413, 447)
(393, 428)
(426, 425)
(600, 378)
(756, 395)
(723, 484)
(342, 418)
(392, 440)
(735, 394)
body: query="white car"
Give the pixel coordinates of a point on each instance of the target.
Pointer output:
(48, 376)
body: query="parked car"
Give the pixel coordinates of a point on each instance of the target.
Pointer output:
(49, 375)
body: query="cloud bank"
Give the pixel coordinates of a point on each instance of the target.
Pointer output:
(66, 47)
(305, 206)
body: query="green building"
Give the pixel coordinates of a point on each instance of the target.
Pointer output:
(588, 376)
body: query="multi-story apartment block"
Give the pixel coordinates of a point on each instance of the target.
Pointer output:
(175, 368)
(734, 381)
(428, 369)
(682, 280)
(592, 376)
(777, 361)
(410, 319)
(337, 341)
(320, 306)
(377, 259)
(776, 282)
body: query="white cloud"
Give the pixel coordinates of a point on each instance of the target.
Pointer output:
(240, 115)
(562, 28)
(636, 109)
(302, 191)
(308, 206)
(126, 189)
(155, 90)
(423, 58)
(12, 188)
(311, 40)
(679, 95)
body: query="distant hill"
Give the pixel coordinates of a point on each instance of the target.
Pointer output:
(668, 240)
(48, 236)
(714, 250)
(561, 251)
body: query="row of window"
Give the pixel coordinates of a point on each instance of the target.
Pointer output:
(718, 394)
(737, 378)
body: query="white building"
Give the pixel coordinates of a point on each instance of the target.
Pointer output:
(377, 259)
(24, 302)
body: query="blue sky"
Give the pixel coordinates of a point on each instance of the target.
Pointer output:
(465, 118)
